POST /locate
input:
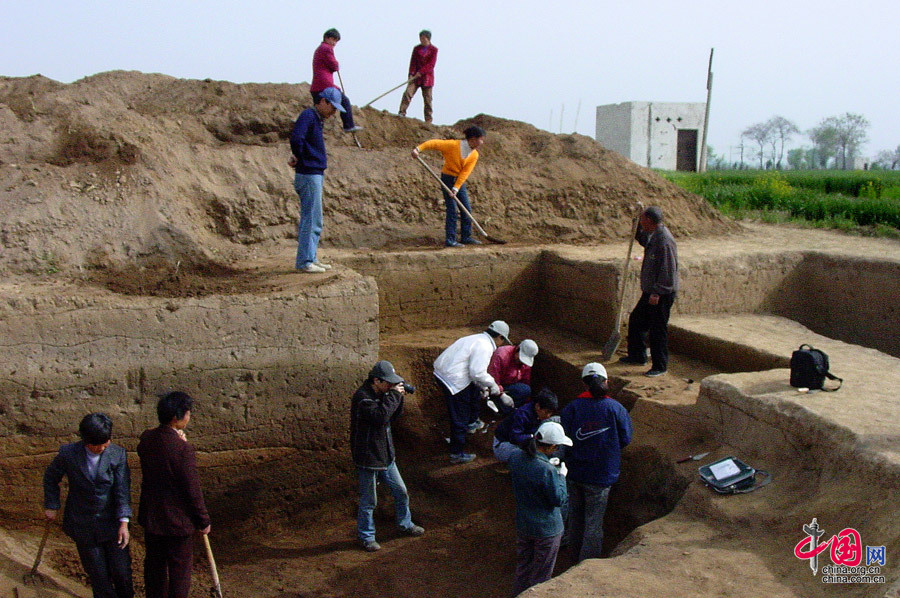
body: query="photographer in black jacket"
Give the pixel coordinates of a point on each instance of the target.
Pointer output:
(377, 403)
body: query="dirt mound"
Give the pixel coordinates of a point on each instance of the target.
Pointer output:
(126, 167)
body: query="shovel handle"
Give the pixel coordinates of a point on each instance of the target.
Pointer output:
(217, 589)
(40, 552)
(453, 195)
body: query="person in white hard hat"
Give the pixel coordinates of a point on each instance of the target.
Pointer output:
(511, 369)
(461, 372)
(600, 428)
(539, 487)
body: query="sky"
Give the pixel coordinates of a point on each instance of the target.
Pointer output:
(546, 63)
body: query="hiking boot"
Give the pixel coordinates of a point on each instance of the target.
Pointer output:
(353, 129)
(475, 426)
(452, 244)
(321, 265)
(413, 530)
(470, 241)
(631, 361)
(654, 373)
(311, 268)
(458, 458)
(370, 545)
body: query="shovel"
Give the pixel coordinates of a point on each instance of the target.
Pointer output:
(407, 82)
(216, 589)
(460, 204)
(609, 349)
(692, 458)
(33, 576)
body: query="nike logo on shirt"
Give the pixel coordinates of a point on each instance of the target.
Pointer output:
(579, 435)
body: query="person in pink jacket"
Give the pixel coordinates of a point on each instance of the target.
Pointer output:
(421, 71)
(511, 367)
(324, 66)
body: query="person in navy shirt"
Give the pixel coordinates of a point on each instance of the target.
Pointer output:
(600, 428)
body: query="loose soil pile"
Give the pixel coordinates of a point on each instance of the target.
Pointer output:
(123, 168)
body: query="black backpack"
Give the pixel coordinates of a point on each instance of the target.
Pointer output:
(809, 368)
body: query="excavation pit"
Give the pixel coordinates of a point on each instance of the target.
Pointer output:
(275, 368)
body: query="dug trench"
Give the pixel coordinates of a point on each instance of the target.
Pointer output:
(274, 366)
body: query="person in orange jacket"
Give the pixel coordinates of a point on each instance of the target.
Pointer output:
(460, 158)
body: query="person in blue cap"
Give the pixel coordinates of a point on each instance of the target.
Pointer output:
(310, 161)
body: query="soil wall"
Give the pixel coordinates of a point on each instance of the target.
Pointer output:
(271, 373)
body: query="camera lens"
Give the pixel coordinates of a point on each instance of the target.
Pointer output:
(408, 388)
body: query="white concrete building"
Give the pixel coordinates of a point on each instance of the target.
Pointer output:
(664, 135)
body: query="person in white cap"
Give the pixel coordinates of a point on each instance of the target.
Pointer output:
(461, 372)
(511, 368)
(375, 405)
(539, 487)
(600, 428)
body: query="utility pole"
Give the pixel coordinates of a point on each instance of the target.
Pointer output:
(709, 81)
(577, 112)
(561, 112)
(550, 122)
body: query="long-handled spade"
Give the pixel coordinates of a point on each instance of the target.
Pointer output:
(460, 204)
(609, 349)
(407, 82)
(33, 576)
(216, 589)
(341, 81)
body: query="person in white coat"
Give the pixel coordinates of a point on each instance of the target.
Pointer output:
(461, 372)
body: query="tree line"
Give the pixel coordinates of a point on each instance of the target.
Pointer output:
(835, 143)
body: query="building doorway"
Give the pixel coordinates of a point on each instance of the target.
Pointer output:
(686, 159)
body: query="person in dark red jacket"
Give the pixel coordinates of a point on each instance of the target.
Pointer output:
(324, 66)
(171, 508)
(421, 71)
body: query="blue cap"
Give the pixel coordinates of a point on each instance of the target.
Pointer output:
(333, 95)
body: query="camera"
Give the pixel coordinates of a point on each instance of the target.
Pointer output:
(408, 388)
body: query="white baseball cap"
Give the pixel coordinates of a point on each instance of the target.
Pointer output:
(527, 350)
(594, 369)
(501, 328)
(552, 433)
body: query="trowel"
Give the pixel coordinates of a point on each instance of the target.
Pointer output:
(692, 458)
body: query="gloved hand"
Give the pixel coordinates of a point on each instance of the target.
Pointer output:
(485, 393)
(507, 400)
(560, 465)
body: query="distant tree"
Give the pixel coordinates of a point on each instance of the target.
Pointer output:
(760, 133)
(781, 131)
(850, 133)
(824, 139)
(796, 158)
(888, 159)
(715, 161)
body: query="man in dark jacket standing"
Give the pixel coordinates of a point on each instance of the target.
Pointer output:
(171, 507)
(421, 74)
(98, 505)
(600, 428)
(375, 405)
(659, 284)
(309, 159)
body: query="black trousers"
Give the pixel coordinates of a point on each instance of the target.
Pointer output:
(653, 321)
(167, 565)
(108, 567)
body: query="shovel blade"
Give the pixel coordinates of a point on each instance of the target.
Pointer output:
(611, 346)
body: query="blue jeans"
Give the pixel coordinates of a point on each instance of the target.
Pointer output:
(309, 190)
(587, 507)
(368, 499)
(463, 408)
(465, 223)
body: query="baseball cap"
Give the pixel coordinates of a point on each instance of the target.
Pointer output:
(501, 328)
(527, 350)
(385, 371)
(333, 95)
(594, 369)
(552, 433)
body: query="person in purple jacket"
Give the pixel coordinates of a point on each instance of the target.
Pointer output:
(600, 428)
(421, 74)
(518, 428)
(324, 66)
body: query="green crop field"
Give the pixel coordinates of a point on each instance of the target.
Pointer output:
(864, 202)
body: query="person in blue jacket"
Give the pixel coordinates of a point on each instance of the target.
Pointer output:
(519, 427)
(539, 487)
(600, 428)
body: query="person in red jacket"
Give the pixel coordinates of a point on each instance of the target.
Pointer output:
(511, 368)
(324, 66)
(421, 71)
(171, 507)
